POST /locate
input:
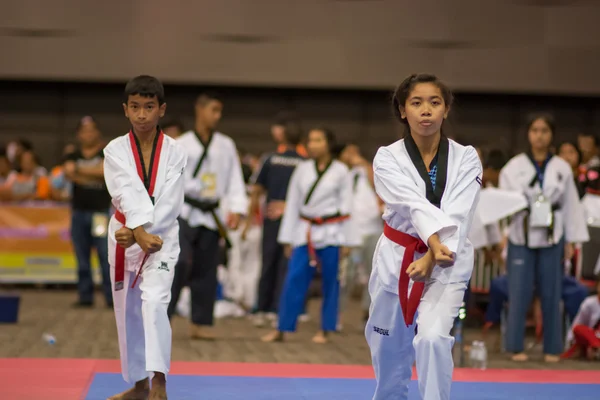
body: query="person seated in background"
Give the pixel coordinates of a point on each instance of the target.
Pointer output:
(61, 188)
(5, 172)
(587, 143)
(573, 295)
(14, 149)
(585, 334)
(30, 182)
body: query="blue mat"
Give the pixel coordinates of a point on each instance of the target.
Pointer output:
(182, 387)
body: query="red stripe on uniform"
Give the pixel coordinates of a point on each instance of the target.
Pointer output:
(120, 217)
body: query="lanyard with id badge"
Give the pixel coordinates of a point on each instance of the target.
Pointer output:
(541, 214)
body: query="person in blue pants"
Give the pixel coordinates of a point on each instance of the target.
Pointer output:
(316, 229)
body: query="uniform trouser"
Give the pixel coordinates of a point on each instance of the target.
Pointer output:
(573, 294)
(360, 256)
(274, 268)
(197, 266)
(297, 282)
(528, 269)
(394, 346)
(83, 242)
(143, 326)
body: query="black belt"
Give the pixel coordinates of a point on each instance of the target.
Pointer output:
(202, 205)
(210, 206)
(324, 219)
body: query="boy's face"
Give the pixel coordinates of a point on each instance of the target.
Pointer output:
(209, 112)
(143, 113)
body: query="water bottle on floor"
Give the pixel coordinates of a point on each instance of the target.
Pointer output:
(49, 338)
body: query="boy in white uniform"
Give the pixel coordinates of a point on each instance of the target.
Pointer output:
(143, 172)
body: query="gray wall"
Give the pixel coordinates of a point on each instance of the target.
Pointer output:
(46, 113)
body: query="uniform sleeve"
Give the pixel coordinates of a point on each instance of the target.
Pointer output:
(576, 230)
(460, 202)
(237, 199)
(400, 194)
(291, 215)
(127, 190)
(168, 205)
(350, 230)
(583, 317)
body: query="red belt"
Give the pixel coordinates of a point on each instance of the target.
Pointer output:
(411, 246)
(312, 253)
(120, 260)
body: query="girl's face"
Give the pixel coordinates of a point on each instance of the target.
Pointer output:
(28, 163)
(568, 153)
(425, 109)
(317, 145)
(540, 135)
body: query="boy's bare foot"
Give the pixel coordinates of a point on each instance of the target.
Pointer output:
(551, 358)
(272, 337)
(202, 332)
(140, 391)
(159, 387)
(320, 338)
(520, 357)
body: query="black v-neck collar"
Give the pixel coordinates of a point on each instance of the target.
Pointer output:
(434, 195)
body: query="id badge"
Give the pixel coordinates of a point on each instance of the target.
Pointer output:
(99, 225)
(541, 213)
(209, 186)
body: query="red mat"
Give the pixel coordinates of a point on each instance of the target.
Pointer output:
(65, 379)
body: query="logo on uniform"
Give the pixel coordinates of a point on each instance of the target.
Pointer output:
(478, 180)
(381, 331)
(163, 266)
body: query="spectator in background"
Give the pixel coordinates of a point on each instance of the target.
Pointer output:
(15, 148)
(61, 187)
(588, 145)
(367, 216)
(282, 123)
(540, 238)
(492, 164)
(5, 172)
(30, 182)
(172, 127)
(90, 210)
(569, 152)
(585, 335)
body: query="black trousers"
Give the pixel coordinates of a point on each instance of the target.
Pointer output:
(274, 268)
(197, 267)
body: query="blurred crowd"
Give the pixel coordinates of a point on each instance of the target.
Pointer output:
(78, 179)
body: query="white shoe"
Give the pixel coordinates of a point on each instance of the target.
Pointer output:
(258, 320)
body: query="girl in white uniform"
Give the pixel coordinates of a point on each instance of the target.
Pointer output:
(430, 186)
(540, 237)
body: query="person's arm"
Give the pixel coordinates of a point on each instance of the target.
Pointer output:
(236, 189)
(351, 232)
(399, 192)
(127, 190)
(291, 215)
(576, 230)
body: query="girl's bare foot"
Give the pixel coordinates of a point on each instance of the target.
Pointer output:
(520, 357)
(273, 336)
(320, 338)
(551, 358)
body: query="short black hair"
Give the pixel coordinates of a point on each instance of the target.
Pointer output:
(172, 122)
(25, 144)
(330, 137)
(590, 135)
(495, 160)
(3, 153)
(207, 96)
(574, 145)
(145, 86)
(291, 126)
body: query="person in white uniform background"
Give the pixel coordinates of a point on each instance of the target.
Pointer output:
(367, 218)
(317, 231)
(144, 176)
(430, 186)
(540, 238)
(213, 176)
